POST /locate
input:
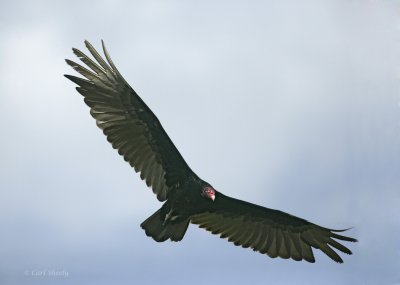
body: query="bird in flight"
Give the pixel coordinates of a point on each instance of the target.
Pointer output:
(133, 129)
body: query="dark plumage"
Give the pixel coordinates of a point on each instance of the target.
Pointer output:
(137, 134)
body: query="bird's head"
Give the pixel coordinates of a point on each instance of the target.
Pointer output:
(208, 192)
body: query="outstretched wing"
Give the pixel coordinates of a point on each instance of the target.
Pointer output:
(269, 231)
(130, 126)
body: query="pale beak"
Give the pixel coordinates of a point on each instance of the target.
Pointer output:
(212, 196)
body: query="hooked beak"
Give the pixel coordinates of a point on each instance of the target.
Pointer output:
(212, 196)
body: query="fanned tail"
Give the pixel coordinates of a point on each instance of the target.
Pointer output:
(155, 227)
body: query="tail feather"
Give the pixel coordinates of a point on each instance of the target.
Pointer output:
(154, 227)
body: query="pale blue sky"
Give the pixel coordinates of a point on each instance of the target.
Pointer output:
(290, 105)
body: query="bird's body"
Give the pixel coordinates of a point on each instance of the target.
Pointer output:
(137, 134)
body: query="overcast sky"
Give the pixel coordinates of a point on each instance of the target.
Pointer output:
(293, 105)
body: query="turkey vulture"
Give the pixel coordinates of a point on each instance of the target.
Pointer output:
(137, 134)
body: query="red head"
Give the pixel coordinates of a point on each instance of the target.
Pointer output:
(208, 192)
